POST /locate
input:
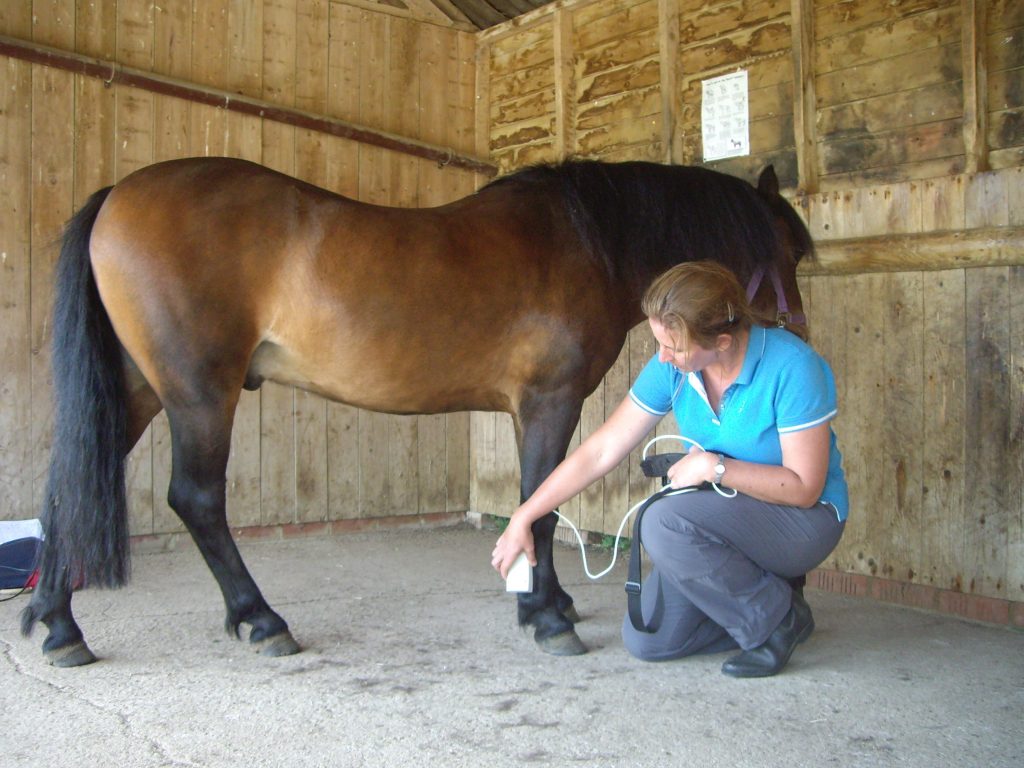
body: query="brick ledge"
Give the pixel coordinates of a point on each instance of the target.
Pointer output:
(974, 607)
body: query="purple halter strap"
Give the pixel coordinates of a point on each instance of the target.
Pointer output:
(784, 316)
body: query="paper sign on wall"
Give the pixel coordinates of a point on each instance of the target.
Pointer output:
(725, 116)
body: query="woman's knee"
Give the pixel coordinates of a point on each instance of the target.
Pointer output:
(686, 640)
(645, 646)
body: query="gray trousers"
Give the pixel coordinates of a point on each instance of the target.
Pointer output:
(720, 568)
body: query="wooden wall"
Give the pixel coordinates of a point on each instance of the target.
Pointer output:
(295, 458)
(897, 129)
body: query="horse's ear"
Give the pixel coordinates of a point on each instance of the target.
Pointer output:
(768, 182)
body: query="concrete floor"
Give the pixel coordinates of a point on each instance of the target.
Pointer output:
(412, 657)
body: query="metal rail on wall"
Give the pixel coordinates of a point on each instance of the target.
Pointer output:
(112, 73)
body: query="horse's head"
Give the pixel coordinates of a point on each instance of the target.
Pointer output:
(773, 291)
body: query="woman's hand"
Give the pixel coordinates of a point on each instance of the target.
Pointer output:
(696, 467)
(518, 537)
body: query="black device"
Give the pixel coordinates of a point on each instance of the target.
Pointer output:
(658, 464)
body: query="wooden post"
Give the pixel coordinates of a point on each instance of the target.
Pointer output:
(565, 91)
(805, 108)
(668, 45)
(975, 80)
(483, 99)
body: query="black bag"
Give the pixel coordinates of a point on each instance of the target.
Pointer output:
(17, 562)
(20, 541)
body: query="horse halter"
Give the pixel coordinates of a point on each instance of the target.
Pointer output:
(784, 316)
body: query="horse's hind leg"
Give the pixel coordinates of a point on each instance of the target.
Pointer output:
(545, 427)
(201, 439)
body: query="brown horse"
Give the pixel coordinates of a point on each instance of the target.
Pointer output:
(190, 280)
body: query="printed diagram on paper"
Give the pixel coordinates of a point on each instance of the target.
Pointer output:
(725, 116)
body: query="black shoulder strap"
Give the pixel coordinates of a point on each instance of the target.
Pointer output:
(633, 578)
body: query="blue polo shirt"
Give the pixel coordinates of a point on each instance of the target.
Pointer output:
(784, 386)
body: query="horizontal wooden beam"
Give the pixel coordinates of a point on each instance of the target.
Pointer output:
(986, 247)
(112, 73)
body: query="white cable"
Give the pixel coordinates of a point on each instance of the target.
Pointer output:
(634, 508)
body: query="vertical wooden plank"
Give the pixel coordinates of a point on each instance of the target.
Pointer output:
(52, 158)
(508, 476)
(19, 466)
(53, 23)
(16, 350)
(565, 85)
(973, 43)
(1015, 479)
(16, 18)
(616, 483)
(987, 431)
(343, 177)
(986, 201)
(210, 51)
(485, 497)
(1014, 195)
(668, 49)
(805, 105)
(942, 204)
(943, 498)
(243, 73)
(860, 423)
(822, 219)
(242, 59)
(95, 35)
(277, 414)
(311, 57)
(901, 436)
(589, 514)
(482, 128)
(828, 336)
(311, 473)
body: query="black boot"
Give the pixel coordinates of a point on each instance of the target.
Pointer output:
(772, 655)
(804, 617)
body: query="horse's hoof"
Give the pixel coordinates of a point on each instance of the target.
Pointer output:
(282, 644)
(563, 644)
(75, 655)
(571, 614)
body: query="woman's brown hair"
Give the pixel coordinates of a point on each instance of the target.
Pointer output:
(702, 298)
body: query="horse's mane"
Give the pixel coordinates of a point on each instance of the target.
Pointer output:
(636, 216)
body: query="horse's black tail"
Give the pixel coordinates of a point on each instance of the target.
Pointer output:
(85, 514)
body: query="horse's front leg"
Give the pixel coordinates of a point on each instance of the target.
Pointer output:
(545, 427)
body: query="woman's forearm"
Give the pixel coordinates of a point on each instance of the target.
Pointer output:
(771, 483)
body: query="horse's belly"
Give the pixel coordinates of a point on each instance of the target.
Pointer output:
(382, 382)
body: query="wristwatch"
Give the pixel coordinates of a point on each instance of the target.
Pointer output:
(719, 469)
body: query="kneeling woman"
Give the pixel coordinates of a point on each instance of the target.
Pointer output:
(760, 401)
